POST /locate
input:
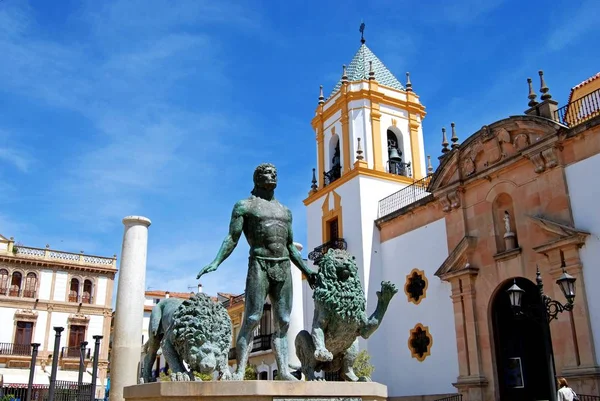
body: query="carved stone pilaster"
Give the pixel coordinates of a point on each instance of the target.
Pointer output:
(450, 199)
(550, 157)
(454, 198)
(445, 202)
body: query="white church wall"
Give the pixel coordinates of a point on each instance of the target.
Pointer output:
(586, 217)
(426, 249)
(372, 190)
(45, 284)
(308, 305)
(7, 318)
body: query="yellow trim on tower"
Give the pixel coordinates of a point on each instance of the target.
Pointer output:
(411, 104)
(345, 132)
(332, 214)
(415, 148)
(360, 168)
(320, 148)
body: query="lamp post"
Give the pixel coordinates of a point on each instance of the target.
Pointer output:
(549, 311)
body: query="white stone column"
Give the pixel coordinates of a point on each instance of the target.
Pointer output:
(129, 312)
(297, 316)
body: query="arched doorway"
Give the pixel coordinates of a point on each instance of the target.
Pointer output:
(521, 364)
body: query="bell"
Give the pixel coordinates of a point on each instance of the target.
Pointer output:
(394, 155)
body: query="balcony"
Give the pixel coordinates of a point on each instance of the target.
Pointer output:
(406, 196)
(316, 254)
(579, 110)
(65, 257)
(260, 343)
(74, 352)
(15, 349)
(85, 298)
(333, 174)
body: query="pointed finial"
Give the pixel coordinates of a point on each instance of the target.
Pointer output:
(429, 166)
(371, 72)
(454, 138)
(344, 76)
(538, 276)
(313, 187)
(408, 83)
(444, 142)
(532, 95)
(362, 32)
(321, 97)
(359, 151)
(543, 88)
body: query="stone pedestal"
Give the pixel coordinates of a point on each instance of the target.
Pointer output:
(256, 390)
(127, 347)
(510, 241)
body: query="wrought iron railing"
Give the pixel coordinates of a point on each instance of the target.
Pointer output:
(585, 397)
(262, 342)
(316, 254)
(579, 110)
(3, 290)
(64, 391)
(15, 349)
(404, 197)
(29, 293)
(399, 168)
(455, 397)
(333, 174)
(14, 291)
(74, 352)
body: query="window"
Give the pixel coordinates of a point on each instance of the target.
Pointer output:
(275, 374)
(23, 336)
(420, 342)
(76, 337)
(86, 297)
(416, 286)
(332, 228)
(74, 290)
(15, 284)
(3, 282)
(263, 376)
(30, 285)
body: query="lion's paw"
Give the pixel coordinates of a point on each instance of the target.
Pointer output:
(388, 290)
(226, 376)
(323, 355)
(237, 376)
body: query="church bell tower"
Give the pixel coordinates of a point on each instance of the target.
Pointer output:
(369, 144)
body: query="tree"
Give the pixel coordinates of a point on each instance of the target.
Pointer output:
(362, 364)
(250, 373)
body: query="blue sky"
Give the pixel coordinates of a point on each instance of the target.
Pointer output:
(163, 108)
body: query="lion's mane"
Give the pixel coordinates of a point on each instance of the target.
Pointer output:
(342, 298)
(200, 320)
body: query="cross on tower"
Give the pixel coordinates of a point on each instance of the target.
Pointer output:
(362, 32)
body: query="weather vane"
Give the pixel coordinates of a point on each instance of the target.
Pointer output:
(362, 32)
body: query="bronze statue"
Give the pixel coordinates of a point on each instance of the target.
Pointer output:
(267, 225)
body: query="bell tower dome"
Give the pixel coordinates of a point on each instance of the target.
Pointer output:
(369, 144)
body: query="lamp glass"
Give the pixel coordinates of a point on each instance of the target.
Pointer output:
(515, 294)
(566, 282)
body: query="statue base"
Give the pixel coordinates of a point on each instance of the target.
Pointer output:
(257, 390)
(510, 241)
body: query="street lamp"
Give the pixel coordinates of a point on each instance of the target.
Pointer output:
(549, 311)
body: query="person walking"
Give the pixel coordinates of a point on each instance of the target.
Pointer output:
(565, 393)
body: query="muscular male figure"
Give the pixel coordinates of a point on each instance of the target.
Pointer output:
(267, 226)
